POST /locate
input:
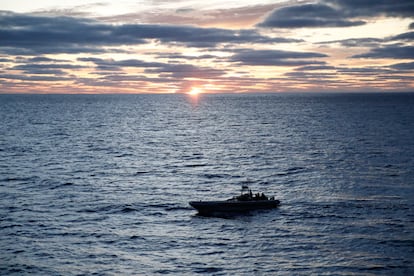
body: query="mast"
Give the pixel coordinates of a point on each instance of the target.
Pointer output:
(244, 188)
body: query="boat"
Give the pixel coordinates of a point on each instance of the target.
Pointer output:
(244, 203)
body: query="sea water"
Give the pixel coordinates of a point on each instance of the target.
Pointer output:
(100, 184)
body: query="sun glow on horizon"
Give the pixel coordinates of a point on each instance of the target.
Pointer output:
(195, 91)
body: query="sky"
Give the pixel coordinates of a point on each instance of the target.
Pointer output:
(214, 46)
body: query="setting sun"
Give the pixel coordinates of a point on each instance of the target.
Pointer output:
(195, 91)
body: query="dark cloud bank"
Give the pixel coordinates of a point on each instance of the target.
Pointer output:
(336, 13)
(33, 35)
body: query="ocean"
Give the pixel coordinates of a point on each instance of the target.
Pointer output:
(100, 184)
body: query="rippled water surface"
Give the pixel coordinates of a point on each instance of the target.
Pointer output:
(100, 184)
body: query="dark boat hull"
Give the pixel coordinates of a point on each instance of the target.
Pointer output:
(229, 207)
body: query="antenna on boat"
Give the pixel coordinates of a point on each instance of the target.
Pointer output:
(244, 188)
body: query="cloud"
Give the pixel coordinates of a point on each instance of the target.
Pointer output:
(74, 11)
(336, 13)
(370, 41)
(42, 59)
(5, 60)
(241, 16)
(233, 18)
(117, 65)
(182, 71)
(197, 37)
(314, 77)
(391, 51)
(36, 78)
(176, 70)
(355, 8)
(315, 68)
(364, 71)
(42, 66)
(403, 66)
(185, 57)
(308, 15)
(276, 58)
(357, 42)
(28, 67)
(45, 68)
(31, 35)
(409, 36)
(34, 35)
